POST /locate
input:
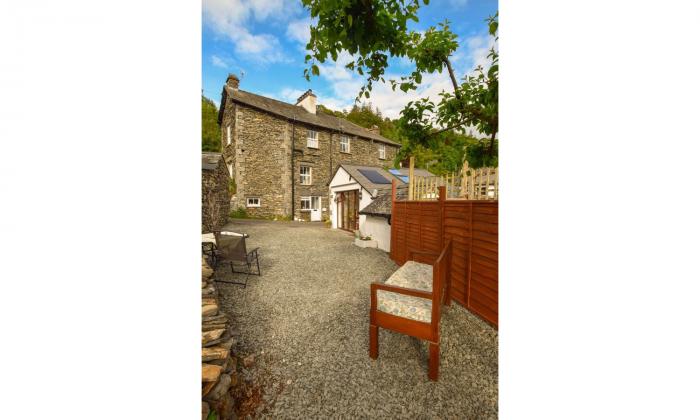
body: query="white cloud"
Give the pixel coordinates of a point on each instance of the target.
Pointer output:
(230, 17)
(298, 30)
(459, 4)
(218, 61)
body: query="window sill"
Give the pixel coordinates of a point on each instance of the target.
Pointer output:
(312, 147)
(345, 153)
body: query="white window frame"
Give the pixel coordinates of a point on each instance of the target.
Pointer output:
(345, 144)
(228, 135)
(382, 151)
(248, 202)
(312, 139)
(302, 175)
(310, 203)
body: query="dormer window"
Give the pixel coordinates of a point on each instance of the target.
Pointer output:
(382, 151)
(312, 139)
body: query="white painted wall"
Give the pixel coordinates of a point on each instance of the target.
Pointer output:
(379, 229)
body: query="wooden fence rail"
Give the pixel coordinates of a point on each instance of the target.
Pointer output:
(466, 184)
(473, 227)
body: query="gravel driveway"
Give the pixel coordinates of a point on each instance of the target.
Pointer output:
(306, 323)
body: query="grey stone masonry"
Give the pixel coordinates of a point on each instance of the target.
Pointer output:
(267, 149)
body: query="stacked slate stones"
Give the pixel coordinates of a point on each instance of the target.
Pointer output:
(218, 364)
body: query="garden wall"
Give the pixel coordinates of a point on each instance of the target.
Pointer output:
(473, 227)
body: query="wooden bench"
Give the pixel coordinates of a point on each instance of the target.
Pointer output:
(409, 302)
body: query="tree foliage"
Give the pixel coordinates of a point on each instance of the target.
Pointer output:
(365, 115)
(372, 31)
(211, 141)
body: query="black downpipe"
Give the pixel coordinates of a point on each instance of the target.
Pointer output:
(292, 171)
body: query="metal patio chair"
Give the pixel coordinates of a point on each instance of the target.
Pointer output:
(232, 249)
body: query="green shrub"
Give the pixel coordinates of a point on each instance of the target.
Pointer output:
(239, 213)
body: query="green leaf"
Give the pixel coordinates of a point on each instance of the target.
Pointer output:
(349, 20)
(314, 70)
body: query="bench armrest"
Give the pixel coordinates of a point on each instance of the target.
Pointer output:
(426, 257)
(398, 289)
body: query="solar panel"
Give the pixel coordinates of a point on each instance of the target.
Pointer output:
(374, 176)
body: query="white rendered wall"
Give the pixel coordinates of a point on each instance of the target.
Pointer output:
(379, 229)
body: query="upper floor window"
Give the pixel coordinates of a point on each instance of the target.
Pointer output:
(382, 151)
(312, 139)
(345, 144)
(305, 174)
(228, 134)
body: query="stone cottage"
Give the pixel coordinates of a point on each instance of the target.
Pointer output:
(282, 156)
(215, 194)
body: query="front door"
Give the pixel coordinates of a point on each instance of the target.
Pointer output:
(315, 209)
(348, 205)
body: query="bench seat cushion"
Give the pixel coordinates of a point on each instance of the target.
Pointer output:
(412, 275)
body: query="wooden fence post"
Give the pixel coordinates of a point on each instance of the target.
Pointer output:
(411, 182)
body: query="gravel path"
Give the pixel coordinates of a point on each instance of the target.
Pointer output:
(306, 321)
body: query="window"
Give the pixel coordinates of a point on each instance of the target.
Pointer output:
(345, 144)
(228, 134)
(230, 169)
(305, 174)
(312, 139)
(382, 151)
(310, 203)
(253, 202)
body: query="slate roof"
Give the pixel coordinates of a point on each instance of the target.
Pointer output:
(381, 206)
(416, 172)
(210, 160)
(354, 171)
(297, 113)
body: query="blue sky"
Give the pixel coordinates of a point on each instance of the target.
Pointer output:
(263, 40)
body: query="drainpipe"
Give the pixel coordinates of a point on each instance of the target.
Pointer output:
(292, 171)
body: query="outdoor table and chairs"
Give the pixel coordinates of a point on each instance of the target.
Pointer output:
(230, 247)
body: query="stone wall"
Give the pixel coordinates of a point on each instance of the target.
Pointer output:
(219, 375)
(260, 152)
(216, 199)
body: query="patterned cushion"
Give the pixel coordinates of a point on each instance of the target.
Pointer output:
(412, 275)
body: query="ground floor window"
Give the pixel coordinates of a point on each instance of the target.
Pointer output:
(253, 202)
(310, 203)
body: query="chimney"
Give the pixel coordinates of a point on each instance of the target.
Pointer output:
(232, 81)
(374, 129)
(307, 101)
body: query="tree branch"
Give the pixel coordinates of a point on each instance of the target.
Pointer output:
(452, 76)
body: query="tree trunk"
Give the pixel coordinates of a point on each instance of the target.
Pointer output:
(493, 137)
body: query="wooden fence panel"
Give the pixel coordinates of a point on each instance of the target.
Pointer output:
(473, 227)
